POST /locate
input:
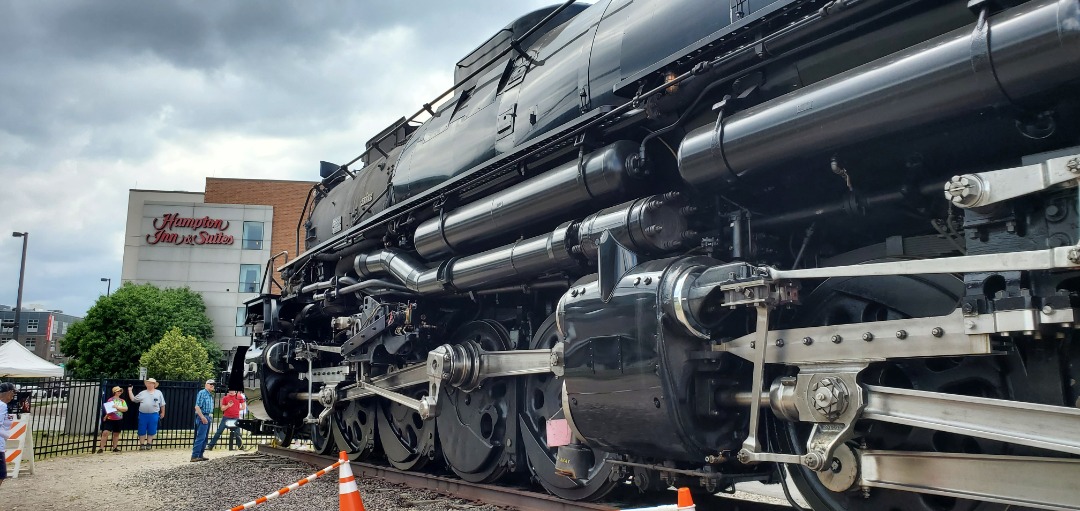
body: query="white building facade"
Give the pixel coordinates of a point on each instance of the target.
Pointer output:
(174, 239)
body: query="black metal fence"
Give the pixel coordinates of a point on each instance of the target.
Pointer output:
(66, 415)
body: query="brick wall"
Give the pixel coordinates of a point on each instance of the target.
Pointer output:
(286, 197)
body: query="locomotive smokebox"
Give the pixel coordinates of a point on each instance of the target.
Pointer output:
(1009, 58)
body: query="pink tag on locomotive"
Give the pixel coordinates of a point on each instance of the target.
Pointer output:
(558, 433)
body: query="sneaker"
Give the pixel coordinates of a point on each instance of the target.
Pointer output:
(202, 459)
(116, 450)
(99, 451)
(196, 459)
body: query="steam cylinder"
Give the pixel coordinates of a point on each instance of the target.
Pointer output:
(601, 175)
(1010, 57)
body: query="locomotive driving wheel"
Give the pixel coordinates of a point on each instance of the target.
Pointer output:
(474, 426)
(407, 440)
(847, 300)
(542, 401)
(322, 438)
(354, 428)
(282, 437)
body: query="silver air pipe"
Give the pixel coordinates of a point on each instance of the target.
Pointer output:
(646, 226)
(522, 260)
(1013, 56)
(599, 176)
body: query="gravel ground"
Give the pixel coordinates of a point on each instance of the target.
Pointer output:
(165, 480)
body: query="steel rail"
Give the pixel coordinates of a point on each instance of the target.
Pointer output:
(489, 494)
(497, 495)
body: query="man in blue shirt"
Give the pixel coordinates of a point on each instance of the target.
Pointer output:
(204, 410)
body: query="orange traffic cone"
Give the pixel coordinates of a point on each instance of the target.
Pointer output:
(348, 495)
(685, 500)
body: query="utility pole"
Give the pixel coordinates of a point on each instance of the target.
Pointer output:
(22, 273)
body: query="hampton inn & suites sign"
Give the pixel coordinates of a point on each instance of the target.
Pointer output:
(174, 229)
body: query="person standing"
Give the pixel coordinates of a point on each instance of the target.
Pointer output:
(111, 422)
(7, 393)
(230, 411)
(204, 410)
(151, 410)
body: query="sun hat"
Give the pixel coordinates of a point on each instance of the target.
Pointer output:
(150, 380)
(117, 389)
(210, 381)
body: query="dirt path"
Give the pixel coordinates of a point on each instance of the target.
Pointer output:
(93, 482)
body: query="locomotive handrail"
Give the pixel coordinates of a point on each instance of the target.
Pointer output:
(268, 278)
(515, 45)
(517, 156)
(521, 153)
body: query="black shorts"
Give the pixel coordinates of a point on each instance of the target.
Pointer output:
(108, 425)
(3, 466)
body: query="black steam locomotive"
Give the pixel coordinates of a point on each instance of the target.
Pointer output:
(644, 243)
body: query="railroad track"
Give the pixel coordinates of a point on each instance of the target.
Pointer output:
(510, 496)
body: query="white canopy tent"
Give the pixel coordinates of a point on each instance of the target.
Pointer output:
(18, 362)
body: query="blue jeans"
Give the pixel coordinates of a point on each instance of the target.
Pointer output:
(233, 435)
(201, 431)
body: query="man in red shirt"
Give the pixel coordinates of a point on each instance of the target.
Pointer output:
(230, 412)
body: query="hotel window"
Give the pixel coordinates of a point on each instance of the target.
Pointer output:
(253, 236)
(30, 342)
(31, 325)
(249, 278)
(241, 315)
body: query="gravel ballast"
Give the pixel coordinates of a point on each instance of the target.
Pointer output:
(166, 480)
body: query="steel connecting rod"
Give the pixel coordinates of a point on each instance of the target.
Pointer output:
(1048, 427)
(464, 366)
(1044, 483)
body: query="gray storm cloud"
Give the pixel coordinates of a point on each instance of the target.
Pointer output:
(100, 97)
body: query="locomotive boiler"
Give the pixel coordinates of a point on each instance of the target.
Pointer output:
(643, 243)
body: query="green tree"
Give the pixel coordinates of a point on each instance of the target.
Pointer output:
(178, 357)
(119, 328)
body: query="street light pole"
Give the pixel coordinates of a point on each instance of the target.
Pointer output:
(108, 287)
(22, 273)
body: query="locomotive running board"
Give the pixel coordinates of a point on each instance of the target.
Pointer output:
(1046, 483)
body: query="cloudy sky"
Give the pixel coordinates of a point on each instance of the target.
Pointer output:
(97, 98)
